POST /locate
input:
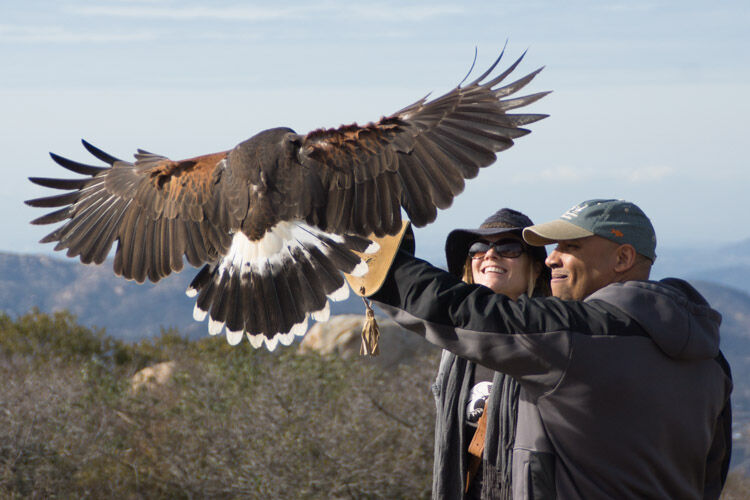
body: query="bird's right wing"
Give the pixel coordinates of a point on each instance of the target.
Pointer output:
(158, 211)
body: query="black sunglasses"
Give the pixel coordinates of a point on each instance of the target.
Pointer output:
(510, 249)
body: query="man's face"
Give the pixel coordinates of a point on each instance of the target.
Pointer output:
(581, 266)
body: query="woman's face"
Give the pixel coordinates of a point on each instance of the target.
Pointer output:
(509, 276)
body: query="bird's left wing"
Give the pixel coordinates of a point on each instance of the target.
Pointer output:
(416, 158)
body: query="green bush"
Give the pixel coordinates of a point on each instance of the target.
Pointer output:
(44, 335)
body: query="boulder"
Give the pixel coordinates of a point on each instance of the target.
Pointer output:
(341, 336)
(152, 376)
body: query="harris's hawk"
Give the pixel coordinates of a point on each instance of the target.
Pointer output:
(274, 220)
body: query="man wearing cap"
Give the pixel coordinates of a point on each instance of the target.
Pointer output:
(623, 376)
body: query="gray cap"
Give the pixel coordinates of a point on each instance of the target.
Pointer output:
(616, 220)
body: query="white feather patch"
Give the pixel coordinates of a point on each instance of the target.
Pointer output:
(323, 314)
(286, 338)
(300, 328)
(335, 237)
(372, 247)
(256, 340)
(272, 343)
(214, 327)
(360, 269)
(234, 338)
(245, 256)
(340, 294)
(198, 313)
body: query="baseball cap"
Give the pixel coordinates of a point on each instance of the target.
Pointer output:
(616, 220)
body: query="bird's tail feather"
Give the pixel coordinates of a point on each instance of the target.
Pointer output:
(269, 288)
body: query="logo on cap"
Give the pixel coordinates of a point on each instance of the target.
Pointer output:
(573, 212)
(617, 233)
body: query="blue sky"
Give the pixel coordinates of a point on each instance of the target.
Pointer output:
(650, 98)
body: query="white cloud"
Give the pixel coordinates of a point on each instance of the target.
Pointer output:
(152, 2)
(186, 13)
(399, 12)
(625, 8)
(648, 174)
(570, 174)
(57, 34)
(389, 12)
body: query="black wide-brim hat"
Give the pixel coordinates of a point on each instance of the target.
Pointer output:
(505, 220)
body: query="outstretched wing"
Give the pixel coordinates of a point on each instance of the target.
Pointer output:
(417, 158)
(158, 210)
(264, 275)
(276, 219)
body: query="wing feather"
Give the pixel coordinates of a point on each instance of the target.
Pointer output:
(415, 198)
(241, 214)
(139, 248)
(99, 154)
(178, 241)
(254, 301)
(432, 145)
(52, 217)
(287, 301)
(207, 288)
(220, 305)
(53, 201)
(235, 320)
(158, 211)
(78, 168)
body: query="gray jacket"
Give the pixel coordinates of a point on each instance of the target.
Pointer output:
(452, 386)
(629, 386)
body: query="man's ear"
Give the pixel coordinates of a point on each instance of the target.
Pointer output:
(625, 258)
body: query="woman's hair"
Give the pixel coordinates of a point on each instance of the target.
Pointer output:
(539, 286)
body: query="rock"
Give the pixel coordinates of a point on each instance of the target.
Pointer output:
(341, 336)
(152, 376)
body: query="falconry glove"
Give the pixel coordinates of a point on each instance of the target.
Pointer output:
(378, 264)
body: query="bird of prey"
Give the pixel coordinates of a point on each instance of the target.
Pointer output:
(276, 220)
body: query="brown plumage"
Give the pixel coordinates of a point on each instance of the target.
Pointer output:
(274, 219)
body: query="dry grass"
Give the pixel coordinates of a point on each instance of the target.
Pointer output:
(233, 423)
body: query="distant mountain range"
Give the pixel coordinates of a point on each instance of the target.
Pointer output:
(727, 265)
(97, 297)
(129, 311)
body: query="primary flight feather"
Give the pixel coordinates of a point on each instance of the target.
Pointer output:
(274, 220)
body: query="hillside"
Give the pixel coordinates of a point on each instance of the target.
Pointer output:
(223, 422)
(97, 297)
(132, 312)
(728, 265)
(734, 306)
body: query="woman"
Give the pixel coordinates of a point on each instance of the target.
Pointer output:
(494, 255)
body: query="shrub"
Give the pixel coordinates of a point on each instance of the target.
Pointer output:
(234, 422)
(45, 336)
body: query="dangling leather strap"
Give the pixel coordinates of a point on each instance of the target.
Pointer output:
(476, 448)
